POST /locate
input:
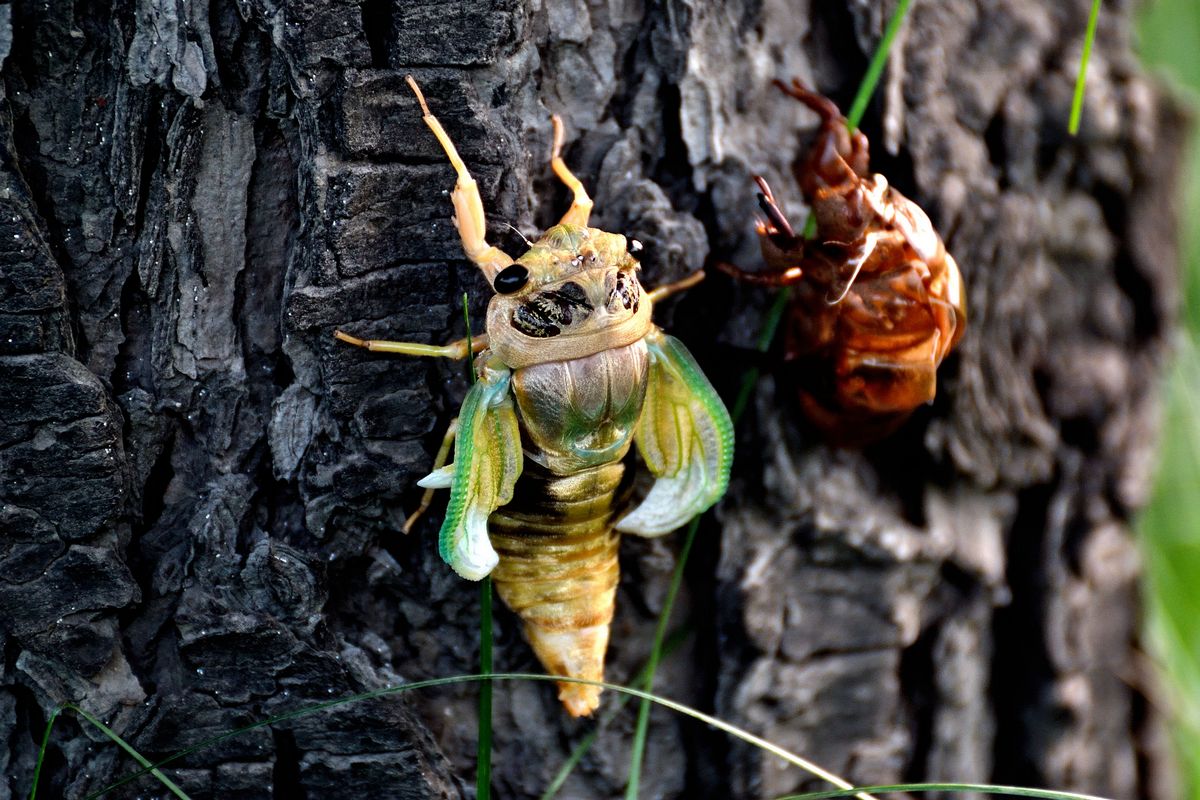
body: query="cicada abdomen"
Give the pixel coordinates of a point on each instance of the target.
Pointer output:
(877, 302)
(558, 571)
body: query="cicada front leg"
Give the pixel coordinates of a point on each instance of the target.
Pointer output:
(468, 205)
(581, 206)
(487, 453)
(660, 293)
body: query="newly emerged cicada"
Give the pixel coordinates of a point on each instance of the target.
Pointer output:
(877, 302)
(570, 373)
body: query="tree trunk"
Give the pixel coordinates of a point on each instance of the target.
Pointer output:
(202, 491)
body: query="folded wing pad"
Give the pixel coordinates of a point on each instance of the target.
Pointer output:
(685, 437)
(487, 463)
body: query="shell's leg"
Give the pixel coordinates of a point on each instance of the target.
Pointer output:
(581, 208)
(776, 225)
(662, 292)
(443, 454)
(786, 277)
(468, 206)
(456, 350)
(838, 139)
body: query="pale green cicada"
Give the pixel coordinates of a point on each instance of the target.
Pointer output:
(570, 373)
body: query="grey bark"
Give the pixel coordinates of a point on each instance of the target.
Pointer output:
(201, 491)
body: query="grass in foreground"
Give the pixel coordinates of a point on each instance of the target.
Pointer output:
(845, 789)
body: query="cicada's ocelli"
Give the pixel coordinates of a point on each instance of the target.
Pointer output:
(558, 571)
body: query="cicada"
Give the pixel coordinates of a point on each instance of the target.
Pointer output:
(570, 373)
(877, 302)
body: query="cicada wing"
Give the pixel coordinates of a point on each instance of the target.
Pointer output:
(685, 437)
(487, 463)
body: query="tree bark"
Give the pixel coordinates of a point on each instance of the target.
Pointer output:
(202, 491)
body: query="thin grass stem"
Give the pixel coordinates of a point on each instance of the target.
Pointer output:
(128, 748)
(1081, 77)
(660, 632)
(680, 708)
(483, 745)
(483, 757)
(875, 68)
(149, 768)
(639, 680)
(985, 788)
(41, 756)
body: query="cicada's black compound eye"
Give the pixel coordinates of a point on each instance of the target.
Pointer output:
(511, 279)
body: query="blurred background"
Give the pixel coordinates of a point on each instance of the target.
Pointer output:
(1169, 39)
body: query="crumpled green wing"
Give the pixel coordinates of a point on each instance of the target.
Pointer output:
(487, 463)
(685, 437)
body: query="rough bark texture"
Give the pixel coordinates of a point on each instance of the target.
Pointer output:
(201, 490)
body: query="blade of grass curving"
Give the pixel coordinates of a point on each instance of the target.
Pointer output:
(985, 788)
(639, 680)
(483, 745)
(660, 631)
(766, 336)
(41, 756)
(1081, 77)
(680, 708)
(483, 752)
(150, 769)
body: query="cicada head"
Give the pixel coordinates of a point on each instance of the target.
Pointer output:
(573, 282)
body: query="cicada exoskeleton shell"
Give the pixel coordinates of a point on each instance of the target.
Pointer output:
(877, 302)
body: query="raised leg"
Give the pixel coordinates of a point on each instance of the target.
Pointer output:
(687, 282)
(468, 206)
(581, 208)
(776, 225)
(787, 277)
(456, 350)
(839, 140)
(443, 453)
(830, 114)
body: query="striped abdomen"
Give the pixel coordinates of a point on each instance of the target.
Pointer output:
(558, 571)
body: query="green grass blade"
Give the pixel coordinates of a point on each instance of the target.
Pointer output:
(766, 336)
(483, 745)
(483, 753)
(470, 348)
(41, 757)
(875, 68)
(1170, 542)
(985, 788)
(660, 632)
(150, 768)
(680, 708)
(1081, 78)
